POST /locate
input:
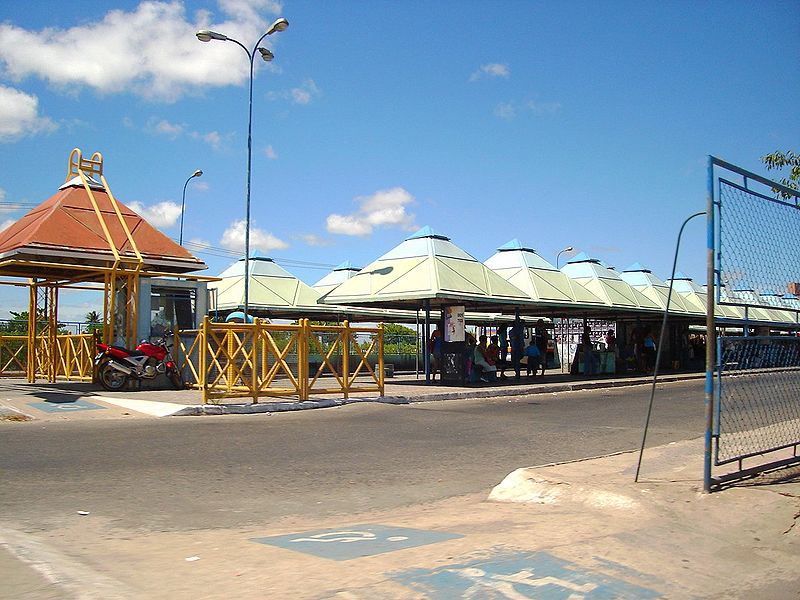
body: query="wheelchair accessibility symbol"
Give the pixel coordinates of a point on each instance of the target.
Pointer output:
(68, 406)
(356, 541)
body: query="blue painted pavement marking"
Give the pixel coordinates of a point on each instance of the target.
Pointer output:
(518, 576)
(356, 541)
(65, 406)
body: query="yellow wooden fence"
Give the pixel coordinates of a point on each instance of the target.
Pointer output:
(70, 358)
(260, 359)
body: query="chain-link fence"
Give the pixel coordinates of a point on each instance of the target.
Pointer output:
(753, 225)
(758, 402)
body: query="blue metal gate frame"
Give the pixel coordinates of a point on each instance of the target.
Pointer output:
(714, 286)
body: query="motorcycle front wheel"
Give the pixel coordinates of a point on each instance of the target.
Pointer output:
(111, 379)
(175, 378)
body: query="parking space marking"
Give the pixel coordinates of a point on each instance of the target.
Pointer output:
(519, 576)
(356, 541)
(65, 406)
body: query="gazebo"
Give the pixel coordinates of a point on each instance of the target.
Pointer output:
(82, 237)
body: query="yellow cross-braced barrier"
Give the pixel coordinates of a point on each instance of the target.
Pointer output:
(71, 358)
(255, 360)
(75, 356)
(13, 355)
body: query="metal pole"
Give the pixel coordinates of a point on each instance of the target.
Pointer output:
(710, 329)
(427, 330)
(247, 195)
(197, 173)
(661, 344)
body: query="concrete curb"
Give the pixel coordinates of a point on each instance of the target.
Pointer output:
(271, 407)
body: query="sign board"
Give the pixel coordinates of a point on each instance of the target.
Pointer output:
(454, 324)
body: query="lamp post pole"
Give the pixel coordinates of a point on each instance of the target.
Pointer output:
(558, 256)
(197, 173)
(204, 35)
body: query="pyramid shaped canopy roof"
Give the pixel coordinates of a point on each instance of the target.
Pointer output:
(336, 277)
(427, 266)
(274, 292)
(756, 306)
(532, 274)
(65, 232)
(271, 288)
(643, 280)
(606, 284)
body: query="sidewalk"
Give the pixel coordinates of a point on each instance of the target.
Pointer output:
(580, 530)
(18, 399)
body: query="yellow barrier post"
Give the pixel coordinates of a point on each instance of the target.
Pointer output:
(381, 373)
(345, 337)
(303, 340)
(202, 368)
(254, 358)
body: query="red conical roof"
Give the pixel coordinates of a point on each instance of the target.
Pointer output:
(65, 229)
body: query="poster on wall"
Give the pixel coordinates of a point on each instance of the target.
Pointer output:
(454, 324)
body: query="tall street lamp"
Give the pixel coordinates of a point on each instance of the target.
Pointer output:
(204, 35)
(197, 173)
(567, 249)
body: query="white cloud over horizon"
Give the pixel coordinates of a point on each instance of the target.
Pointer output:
(19, 115)
(161, 214)
(384, 208)
(491, 70)
(233, 238)
(150, 50)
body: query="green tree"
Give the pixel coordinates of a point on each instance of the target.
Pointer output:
(780, 160)
(93, 322)
(399, 339)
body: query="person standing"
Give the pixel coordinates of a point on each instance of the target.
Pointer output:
(502, 336)
(541, 337)
(435, 350)
(517, 338)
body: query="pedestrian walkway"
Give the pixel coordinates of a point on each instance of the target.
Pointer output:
(20, 400)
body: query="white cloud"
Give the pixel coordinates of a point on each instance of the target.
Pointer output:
(505, 110)
(162, 214)
(201, 186)
(151, 49)
(233, 238)
(270, 153)
(212, 138)
(312, 239)
(6, 224)
(170, 130)
(19, 114)
(543, 108)
(384, 208)
(491, 70)
(303, 94)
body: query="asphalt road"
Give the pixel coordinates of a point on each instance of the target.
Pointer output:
(185, 473)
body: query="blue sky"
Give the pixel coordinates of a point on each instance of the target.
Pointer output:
(580, 124)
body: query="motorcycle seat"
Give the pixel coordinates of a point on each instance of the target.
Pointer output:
(129, 352)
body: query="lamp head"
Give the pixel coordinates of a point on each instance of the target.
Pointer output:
(279, 25)
(206, 35)
(568, 249)
(266, 54)
(197, 173)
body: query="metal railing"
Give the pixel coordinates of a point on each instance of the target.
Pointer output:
(259, 359)
(70, 358)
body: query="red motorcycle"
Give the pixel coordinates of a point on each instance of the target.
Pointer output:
(115, 365)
